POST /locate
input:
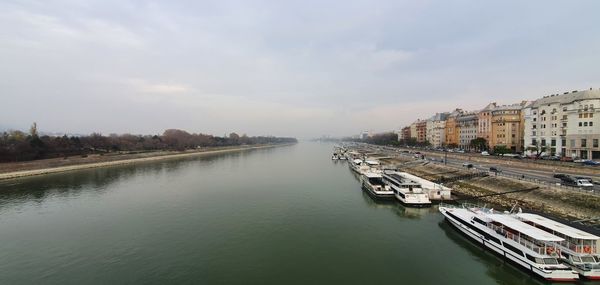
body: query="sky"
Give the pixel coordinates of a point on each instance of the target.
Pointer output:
(284, 68)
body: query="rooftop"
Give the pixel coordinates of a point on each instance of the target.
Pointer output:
(523, 228)
(567, 98)
(557, 227)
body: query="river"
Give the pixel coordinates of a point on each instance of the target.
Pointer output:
(285, 215)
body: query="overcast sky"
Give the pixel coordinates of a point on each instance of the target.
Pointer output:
(293, 68)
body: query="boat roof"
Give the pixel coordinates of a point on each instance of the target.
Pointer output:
(523, 228)
(557, 227)
(357, 161)
(372, 162)
(372, 174)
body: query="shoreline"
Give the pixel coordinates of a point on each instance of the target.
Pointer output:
(60, 169)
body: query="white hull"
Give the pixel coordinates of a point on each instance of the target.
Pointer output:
(479, 237)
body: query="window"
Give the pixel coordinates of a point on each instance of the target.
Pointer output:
(564, 109)
(543, 142)
(534, 119)
(583, 143)
(595, 142)
(533, 142)
(591, 115)
(580, 124)
(585, 115)
(563, 142)
(580, 115)
(533, 133)
(564, 117)
(553, 142)
(572, 143)
(585, 124)
(534, 126)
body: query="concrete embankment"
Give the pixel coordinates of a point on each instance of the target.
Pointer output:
(114, 162)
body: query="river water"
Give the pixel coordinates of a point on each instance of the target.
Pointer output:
(286, 215)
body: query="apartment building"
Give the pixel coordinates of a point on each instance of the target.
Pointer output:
(452, 129)
(436, 126)
(468, 127)
(565, 124)
(507, 126)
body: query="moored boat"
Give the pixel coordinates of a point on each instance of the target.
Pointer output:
(372, 181)
(407, 191)
(526, 246)
(579, 249)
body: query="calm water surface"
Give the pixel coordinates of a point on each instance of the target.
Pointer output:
(285, 215)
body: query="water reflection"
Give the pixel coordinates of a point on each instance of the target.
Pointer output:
(97, 181)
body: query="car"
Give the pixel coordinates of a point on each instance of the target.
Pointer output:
(584, 183)
(467, 165)
(495, 169)
(585, 178)
(566, 159)
(560, 175)
(591, 163)
(485, 153)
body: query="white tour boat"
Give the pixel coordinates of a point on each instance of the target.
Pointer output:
(407, 191)
(579, 249)
(372, 181)
(523, 244)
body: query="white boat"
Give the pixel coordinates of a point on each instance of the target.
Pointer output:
(407, 191)
(372, 181)
(579, 249)
(361, 166)
(522, 244)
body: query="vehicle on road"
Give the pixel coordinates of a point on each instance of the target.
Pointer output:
(485, 153)
(584, 183)
(591, 163)
(566, 159)
(560, 176)
(467, 165)
(495, 169)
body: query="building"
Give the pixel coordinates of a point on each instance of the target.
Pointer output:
(451, 129)
(507, 126)
(484, 122)
(436, 130)
(413, 130)
(564, 125)
(468, 127)
(404, 133)
(421, 129)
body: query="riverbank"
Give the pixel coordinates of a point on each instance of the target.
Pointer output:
(58, 165)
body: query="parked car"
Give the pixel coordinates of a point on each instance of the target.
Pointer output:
(467, 165)
(591, 163)
(566, 159)
(495, 169)
(485, 153)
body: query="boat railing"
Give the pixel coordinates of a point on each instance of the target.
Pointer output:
(579, 248)
(515, 237)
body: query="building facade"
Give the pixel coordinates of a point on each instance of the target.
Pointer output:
(452, 130)
(468, 127)
(507, 126)
(484, 122)
(421, 129)
(404, 133)
(436, 130)
(564, 125)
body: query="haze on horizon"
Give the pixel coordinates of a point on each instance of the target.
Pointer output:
(284, 68)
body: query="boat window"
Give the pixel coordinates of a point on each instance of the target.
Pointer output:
(576, 258)
(597, 258)
(550, 261)
(588, 259)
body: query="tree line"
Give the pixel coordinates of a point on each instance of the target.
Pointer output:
(21, 146)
